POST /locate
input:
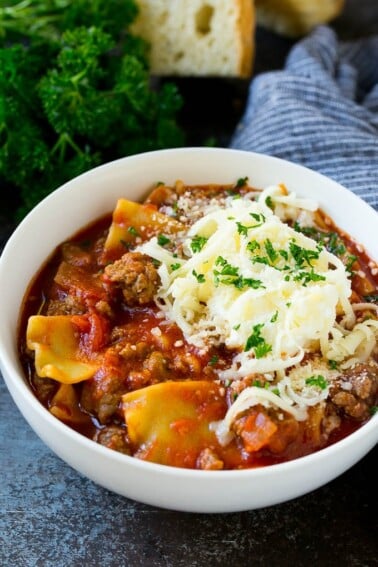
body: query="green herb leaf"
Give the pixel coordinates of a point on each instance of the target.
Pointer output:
(197, 243)
(269, 202)
(242, 282)
(257, 342)
(350, 261)
(262, 350)
(243, 229)
(75, 91)
(302, 256)
(307, 277)
(255, 338)
(241, 182)
(319, 381)
(162, 240)
(199, 277)
(253, 246)
(272, 254)
(229, 275)
(274, 317)
(371, 298)
(132, 230)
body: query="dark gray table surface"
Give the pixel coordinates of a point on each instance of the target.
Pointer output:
(52, 516)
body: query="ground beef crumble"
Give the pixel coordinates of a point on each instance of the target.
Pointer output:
(136, 276)
(355, 392)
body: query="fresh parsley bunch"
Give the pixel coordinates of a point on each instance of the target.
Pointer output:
(75, 91)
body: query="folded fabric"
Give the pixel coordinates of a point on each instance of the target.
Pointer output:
(320, 111)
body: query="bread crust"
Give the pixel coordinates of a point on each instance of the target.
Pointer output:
(247, 29)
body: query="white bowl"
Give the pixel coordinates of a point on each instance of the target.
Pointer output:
(91, 195)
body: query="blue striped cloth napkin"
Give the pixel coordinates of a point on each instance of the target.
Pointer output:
(320, 111)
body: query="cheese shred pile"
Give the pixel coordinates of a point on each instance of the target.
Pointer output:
(244, 278)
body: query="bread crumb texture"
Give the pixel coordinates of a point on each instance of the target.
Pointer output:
(198, 37)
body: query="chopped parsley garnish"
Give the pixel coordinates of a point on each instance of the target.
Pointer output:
(261, 260)
(255, 338)
(197, 243)
(226, 268)
(302, 256)
(253, 245)
(163, 240)
(257, 342)
(236, 327)
(259, 217)
(373, 410)
(199, 277)
(318, 381)
(241, 182)
(269, 202)
(241, 282)
(274, 317)
(213, 360)
(350, 261)
(132, 230)
(262, 350)
(371, 298)
(243, 229)
(229, 275)
(330, 240)
(175, 266)
(333, 364)
(335, 245)
(307, 277)
(272, 254)
(124, 243)
(307, 230)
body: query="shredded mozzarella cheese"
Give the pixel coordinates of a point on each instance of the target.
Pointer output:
(246, 279)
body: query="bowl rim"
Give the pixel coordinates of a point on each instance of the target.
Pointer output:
(15, 379)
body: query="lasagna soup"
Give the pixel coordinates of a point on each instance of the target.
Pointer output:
(210, 327)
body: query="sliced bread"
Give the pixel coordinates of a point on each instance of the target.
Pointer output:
(198, 37)
(295, 18)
